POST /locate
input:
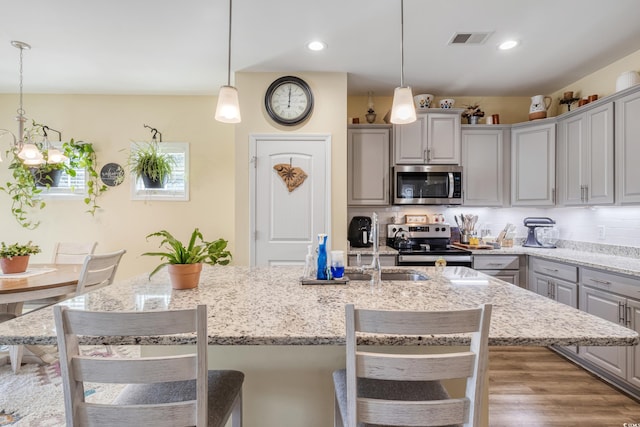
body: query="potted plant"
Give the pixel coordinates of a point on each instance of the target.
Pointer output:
(15, 258)
(473, 113)
(185, 262)
(146, 161)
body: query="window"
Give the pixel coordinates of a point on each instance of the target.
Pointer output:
(70, 187)
(177, 186)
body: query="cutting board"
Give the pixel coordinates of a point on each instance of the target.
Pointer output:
(465, 246)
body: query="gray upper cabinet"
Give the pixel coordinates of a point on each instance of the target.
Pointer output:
(485, 165)
(434, 138)
(585, 157)
(627, 148)
(533, 154)
(368, 148)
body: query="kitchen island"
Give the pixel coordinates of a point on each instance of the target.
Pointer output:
(288, 337)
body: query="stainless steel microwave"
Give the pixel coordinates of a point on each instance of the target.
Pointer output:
(427, 185)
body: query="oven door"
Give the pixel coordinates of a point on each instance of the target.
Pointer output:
(430, 260)
(427, 185)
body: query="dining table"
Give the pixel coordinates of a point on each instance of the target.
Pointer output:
(40, 281)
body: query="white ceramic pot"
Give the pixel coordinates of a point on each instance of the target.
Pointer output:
(423, 101)
(447, 103)
(626, 80)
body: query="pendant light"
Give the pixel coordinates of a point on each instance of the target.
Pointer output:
(402, 111)
(228, 109)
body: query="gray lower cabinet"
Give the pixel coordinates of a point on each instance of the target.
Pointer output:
(368, 151)
(503, 267)
(612, 297)
(555, 280)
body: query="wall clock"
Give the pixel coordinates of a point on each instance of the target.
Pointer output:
(289, 101)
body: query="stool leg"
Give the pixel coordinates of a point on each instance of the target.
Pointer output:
(15, 354)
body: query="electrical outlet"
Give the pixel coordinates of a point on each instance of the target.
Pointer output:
(601, 232)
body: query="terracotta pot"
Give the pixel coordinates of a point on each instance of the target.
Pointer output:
(17, 264)
(184, 276)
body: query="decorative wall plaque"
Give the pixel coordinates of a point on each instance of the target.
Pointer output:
(112, 174)
(292, 176)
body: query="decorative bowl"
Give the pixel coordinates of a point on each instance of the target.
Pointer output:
(447, 103)
(423, 101)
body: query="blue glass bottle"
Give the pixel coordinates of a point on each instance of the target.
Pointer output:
(321, 274)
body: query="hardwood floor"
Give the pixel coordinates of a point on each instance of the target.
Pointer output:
(531, 386)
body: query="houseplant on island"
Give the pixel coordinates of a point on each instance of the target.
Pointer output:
(472, 113)
(15, 258)
(184, 263)
(147, 162)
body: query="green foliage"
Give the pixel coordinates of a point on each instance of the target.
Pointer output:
(176, 253)
(82, 155)
(18, 250)
(147, 159)
(23, 191)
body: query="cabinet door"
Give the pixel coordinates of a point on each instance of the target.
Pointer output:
(410, 142)
(633, 353)
(509, 276)
(607, 306)
(627, 148)
(368, 166)
(572, 158)
(533, 154)
(482, 163)
(598, 173)
(565, 292)
(540, 284)
(443, 138)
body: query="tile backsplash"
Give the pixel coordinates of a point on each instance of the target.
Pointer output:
(616, 225)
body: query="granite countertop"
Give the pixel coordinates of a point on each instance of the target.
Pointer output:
(269, 306)
(382, 250)
(613, 263)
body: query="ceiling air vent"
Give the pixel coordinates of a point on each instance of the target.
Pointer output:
(469, 38)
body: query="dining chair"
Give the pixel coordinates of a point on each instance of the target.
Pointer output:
(72, 252)
(391, 389)
(162, 391)
(98, 271)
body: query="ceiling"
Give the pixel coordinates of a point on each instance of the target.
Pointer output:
(180, 47)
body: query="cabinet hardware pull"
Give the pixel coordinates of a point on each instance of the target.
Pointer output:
(551, 269)
(582, 193)
(621, 313)
(602, 282)
(628, 320)
(553, 195)
(586, 193)
(428, 155)
(497, 264)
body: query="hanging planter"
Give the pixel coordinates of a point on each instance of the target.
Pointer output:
(148, 163)
(149, 182)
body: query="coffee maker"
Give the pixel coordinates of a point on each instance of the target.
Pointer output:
(533, 223)
(360, 232)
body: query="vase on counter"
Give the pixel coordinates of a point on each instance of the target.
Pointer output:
(321, 273)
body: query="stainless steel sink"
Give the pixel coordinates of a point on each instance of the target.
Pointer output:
(388, 275)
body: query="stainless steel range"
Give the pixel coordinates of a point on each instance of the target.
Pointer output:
(423, 244)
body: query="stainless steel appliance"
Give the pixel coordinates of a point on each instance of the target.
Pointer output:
(533, 236)
(427, 185)
(422, 245)
(360, 232)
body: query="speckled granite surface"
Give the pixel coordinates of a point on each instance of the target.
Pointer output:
(268, 306)
(612, 263)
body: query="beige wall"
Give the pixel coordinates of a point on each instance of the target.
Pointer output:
(111, 123)
(512, 109)
(601, 83)
(328, 117)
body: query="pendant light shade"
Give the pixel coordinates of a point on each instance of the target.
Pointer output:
(402, 111)
(228, 109)
(30, 154)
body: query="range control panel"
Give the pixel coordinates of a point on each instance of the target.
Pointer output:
(419, 231)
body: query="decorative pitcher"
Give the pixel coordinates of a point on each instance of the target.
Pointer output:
(539, 107)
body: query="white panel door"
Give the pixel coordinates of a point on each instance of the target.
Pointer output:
(286, 220)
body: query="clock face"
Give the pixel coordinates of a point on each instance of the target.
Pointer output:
(289, 100)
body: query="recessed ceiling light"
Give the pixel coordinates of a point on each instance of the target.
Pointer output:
(509, 44)
(316, 45)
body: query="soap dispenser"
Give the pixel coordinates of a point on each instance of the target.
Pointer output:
(309, 261)
(321, 274)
